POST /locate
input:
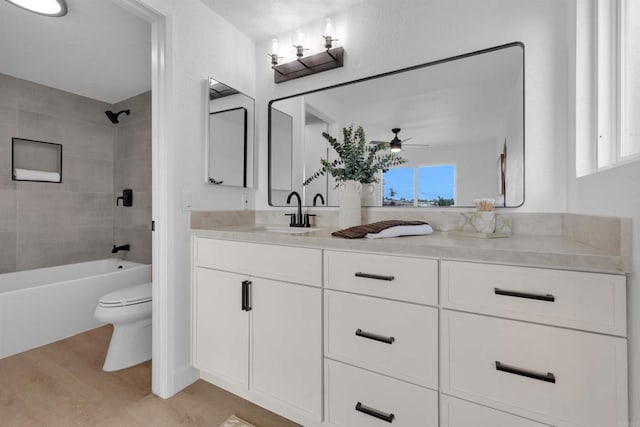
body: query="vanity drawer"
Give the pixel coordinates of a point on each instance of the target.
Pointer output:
(347, 386)
(530, 369)
(400, 278)
(390, 337)
(286, 263)
(589, 301)
(460, 413)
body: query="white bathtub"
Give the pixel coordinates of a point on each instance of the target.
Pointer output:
(41, 306)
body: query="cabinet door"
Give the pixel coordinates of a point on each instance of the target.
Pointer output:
(287, 344)
(221, 334)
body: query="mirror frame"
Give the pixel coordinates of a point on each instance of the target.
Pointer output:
(402, 70)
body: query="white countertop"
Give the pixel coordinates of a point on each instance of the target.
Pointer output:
(527, 250)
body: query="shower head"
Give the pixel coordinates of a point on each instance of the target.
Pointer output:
(114, 116)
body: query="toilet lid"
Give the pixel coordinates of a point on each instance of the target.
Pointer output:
(136, 294)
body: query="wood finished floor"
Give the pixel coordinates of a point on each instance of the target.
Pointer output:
(62, 384)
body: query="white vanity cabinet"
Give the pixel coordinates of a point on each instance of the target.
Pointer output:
(504, 344)
(257, 323)
(381, 340)
(340, 338)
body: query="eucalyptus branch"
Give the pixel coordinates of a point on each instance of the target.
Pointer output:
(357, 160)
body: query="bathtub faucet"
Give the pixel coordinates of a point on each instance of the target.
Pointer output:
(115, 249)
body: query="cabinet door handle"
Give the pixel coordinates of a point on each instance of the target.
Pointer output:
(249, 296)
(548, 377)
(375, 276)
(246, 295)
(374, 413)
(375, 337)
(539, 297)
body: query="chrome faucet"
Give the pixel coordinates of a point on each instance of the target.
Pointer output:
(315, 198)
(296, 219)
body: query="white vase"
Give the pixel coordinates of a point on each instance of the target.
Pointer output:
(350, 206)
(367, 195)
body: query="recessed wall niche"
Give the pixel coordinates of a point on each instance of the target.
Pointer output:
(37, 161)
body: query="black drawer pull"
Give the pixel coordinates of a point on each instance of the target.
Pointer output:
(375, 337)
(375, 413)
(548, 377)
(547, 297)
(246, 295)
(243, 299)
(375, 276)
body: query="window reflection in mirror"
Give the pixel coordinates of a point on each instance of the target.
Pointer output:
(230, 136)
(429, 185)
(466, 111)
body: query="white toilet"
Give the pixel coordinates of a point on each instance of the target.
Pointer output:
(129, 310)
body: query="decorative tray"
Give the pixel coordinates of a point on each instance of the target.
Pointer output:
(460, 233)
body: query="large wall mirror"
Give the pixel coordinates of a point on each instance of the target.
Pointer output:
(459, 121)
(230, 136)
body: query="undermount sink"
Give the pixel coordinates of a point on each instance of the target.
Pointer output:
(285, 230)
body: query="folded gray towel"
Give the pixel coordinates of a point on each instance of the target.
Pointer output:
(360, 231)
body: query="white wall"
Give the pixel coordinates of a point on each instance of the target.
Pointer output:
(384, 35)
(200, 44)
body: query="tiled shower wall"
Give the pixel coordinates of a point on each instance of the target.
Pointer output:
(133, 170)
(47, 224)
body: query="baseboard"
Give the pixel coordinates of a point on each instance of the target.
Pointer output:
(184, 377)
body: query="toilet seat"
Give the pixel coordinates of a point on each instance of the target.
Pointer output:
(133, 295)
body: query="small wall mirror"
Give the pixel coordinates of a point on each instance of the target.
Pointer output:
(230, 136)
(460, 121)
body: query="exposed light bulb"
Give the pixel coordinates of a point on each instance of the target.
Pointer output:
(299, 43)
(327, 35)
(299, 38)
(328, 27)
(274, 52)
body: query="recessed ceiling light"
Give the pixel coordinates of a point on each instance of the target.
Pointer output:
(43, 7)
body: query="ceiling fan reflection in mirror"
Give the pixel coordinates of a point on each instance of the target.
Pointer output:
(396, 143)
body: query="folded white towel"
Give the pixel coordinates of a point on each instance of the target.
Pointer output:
(35, 175)
(402, 230)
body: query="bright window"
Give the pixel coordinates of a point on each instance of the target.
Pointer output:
(617, 86)
(421, 186)
(397, 187)
(630, 78)
(436, 185)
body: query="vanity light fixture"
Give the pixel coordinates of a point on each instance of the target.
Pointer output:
(54, 8)
(328, 30)
(274, 53)
(299, 44)
(306, 65)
